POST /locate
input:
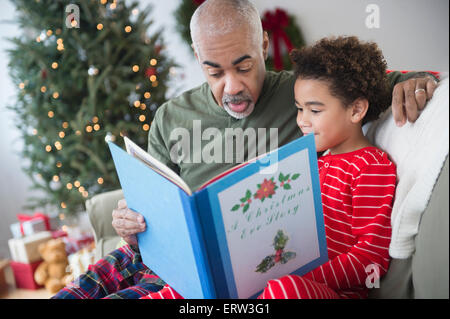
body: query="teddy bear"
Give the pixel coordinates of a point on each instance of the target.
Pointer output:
(52, 272)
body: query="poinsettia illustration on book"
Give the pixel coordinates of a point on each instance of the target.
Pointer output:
(281, 256)
(265, 190)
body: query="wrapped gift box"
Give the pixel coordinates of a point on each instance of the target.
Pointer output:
(25, 250)
(24, 274)
(28, 227)
(31, 224)
(80, 261)
(3, 283)
(74, 244)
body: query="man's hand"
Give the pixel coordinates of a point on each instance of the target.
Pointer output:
(409, 98)
(127, 223)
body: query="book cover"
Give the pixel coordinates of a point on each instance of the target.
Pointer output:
(259, 222)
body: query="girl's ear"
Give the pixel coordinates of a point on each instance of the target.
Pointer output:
(359, 109)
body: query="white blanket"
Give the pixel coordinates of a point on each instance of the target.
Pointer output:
(419, 151)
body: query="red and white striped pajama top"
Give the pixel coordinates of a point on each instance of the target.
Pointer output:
(357, 194)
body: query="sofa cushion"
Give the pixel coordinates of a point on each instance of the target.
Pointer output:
(419, 150)
(99, 209)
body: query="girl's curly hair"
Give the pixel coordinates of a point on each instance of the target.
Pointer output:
(352, 68)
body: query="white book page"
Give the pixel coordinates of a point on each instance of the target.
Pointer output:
(287, 215)
(137, 152)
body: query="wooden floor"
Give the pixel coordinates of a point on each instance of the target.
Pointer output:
(13, 293)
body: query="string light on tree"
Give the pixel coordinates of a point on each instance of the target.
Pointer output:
(58, 145)
(92, 70)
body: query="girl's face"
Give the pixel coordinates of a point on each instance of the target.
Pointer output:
(322, 114)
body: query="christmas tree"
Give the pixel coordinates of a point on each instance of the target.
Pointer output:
(85, 72)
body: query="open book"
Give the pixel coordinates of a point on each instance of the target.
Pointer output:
(257, 221)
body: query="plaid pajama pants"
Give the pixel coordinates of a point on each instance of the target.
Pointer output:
(120, 275)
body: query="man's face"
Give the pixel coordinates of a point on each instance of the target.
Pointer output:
(234, 68)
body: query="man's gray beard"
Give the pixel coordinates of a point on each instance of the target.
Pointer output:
(241, 115)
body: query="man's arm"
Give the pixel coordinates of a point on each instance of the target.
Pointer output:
(411, 91)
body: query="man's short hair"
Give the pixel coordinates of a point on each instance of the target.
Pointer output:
(218, 17)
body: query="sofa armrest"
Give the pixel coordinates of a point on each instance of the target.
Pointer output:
(430, 262)
(99, 209)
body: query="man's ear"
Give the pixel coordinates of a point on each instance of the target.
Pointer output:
(359, 109)
(265, 45)
(195, 52)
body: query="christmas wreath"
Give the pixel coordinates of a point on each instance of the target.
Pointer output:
(281, 27)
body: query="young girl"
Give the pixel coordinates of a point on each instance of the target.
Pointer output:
(341, 84)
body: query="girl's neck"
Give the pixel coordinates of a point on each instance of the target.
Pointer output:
(353, 143)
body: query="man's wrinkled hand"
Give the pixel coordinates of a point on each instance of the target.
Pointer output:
(410, 97)
(127, 223)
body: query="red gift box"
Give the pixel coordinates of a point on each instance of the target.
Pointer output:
(74, 244)
(24, 274)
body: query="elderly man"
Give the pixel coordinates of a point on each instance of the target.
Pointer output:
(239, 93)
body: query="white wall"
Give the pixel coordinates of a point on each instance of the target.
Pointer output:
(413, 35)
(13, 182)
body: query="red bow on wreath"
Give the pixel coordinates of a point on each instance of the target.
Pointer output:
(275, 24)
(198, 2)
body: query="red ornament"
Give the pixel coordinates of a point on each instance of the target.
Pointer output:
(275, 23)
(44, 74)
(150, 71)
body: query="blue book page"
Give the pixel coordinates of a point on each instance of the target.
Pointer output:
(268, 218)
(167, 246)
